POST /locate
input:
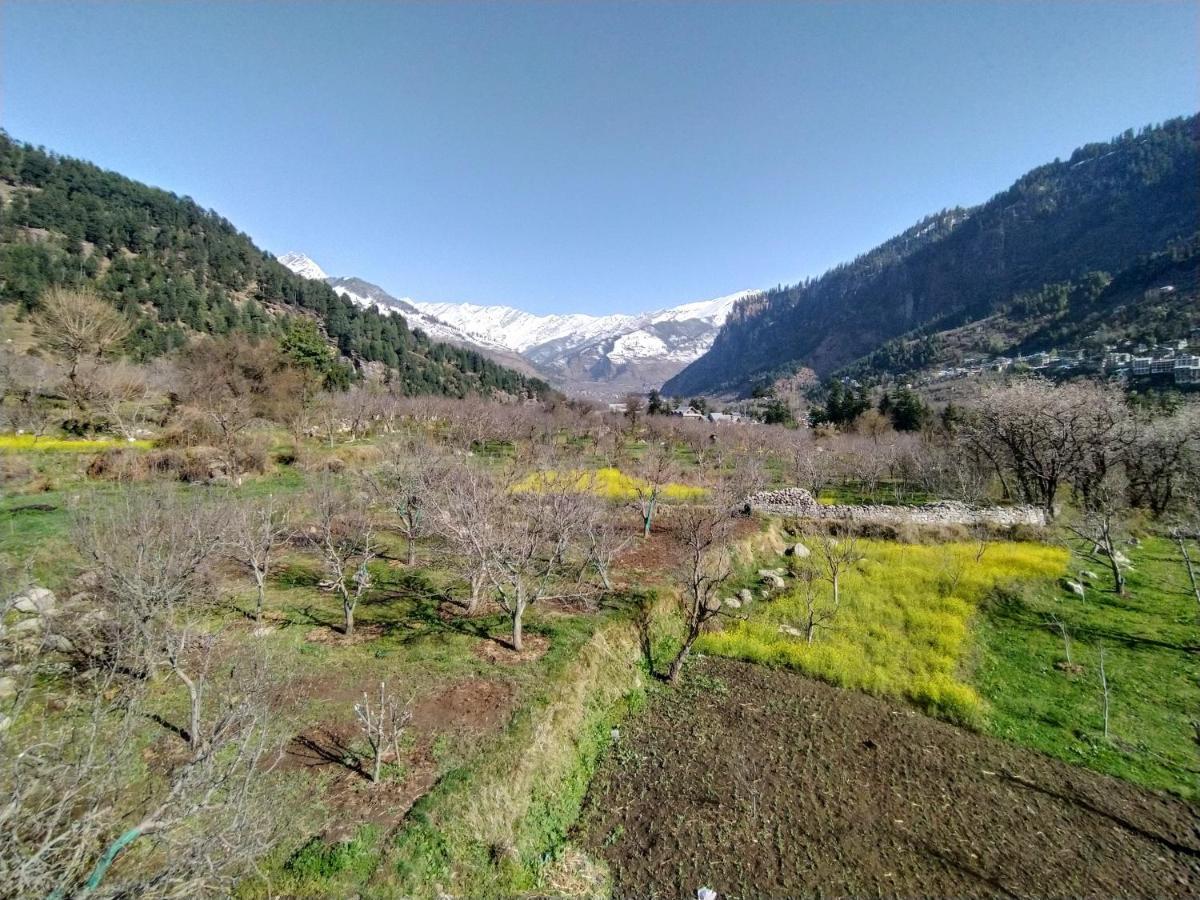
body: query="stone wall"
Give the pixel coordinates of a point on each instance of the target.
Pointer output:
(798, 503)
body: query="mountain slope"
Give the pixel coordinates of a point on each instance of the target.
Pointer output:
(1109, 204)
(178, 269)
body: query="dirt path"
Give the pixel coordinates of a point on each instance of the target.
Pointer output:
(763, 783)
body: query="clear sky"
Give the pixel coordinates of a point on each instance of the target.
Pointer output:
(589, 156)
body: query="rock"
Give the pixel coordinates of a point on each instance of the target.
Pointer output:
(57, 643)
(745, 595)
(799, 551)
(37, 600)
(788, 629)
(5, 722)
(1120, 558)
(8, 687)
(733, 602)
(713, 604)
(1089, 575)
(87, 581)
(1074, 587)
(25, 626)
(772, 580)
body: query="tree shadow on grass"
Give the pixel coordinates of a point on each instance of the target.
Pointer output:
(325, 747)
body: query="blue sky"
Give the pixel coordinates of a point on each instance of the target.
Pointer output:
(586, 157)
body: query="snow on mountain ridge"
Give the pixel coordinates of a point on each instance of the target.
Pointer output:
(522, 331)
(303, 266)
(595, 355)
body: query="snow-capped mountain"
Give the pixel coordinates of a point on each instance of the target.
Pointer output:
(302, 265)
(599, 356)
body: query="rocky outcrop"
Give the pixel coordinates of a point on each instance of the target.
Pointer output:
(798, 503)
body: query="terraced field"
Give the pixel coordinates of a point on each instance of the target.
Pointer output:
(759, 782)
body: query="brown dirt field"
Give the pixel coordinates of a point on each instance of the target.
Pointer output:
(763, 783)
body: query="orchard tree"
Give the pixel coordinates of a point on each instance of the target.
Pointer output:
(705, 532)
(257, 530)
(652, 474)
(345, 537)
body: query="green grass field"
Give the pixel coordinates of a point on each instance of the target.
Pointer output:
(1151, 641)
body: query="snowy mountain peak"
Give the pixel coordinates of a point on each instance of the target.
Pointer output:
(303, 266)
(599, 356)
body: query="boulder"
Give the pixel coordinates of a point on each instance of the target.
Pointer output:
(8, 687)
(732, 602)
(790, 630)
(745, 595)
(38, 600)
(1074, 587)
(799, 551)
(772, 580)
(1091, 576)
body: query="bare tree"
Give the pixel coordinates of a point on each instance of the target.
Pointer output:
(652, 473)
(382, 723)
(257, 529)
(819, 611)
(635, 407)
(1104, 689)
(1161, 455)
(346, 540)
(529, 550)
(1039, 437)
(27, 384)
(404, 487)
(468, 509)
(149, 551)
(123, 392)
(1099, 526)
(1181, 536)
(78, 326)
(604, 540)
(69, 817)
(835, 554)
(706, 532)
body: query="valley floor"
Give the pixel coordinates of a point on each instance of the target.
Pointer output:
(758, 782)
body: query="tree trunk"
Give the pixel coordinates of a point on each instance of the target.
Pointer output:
(348, 609)
(680, 659)
(378, 770)
(1187, 561)
(194, 704)
(476, 591)
(260, 582)
(412, 553)
(517, 627)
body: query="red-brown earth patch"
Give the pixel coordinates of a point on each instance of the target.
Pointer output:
(763, 783)
(333, 748)
(498, 650)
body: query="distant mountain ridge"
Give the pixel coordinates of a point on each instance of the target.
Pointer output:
(1105, 207)
(597, 356)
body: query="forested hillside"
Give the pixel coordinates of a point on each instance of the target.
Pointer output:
(1107, 206)
(177, 269)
